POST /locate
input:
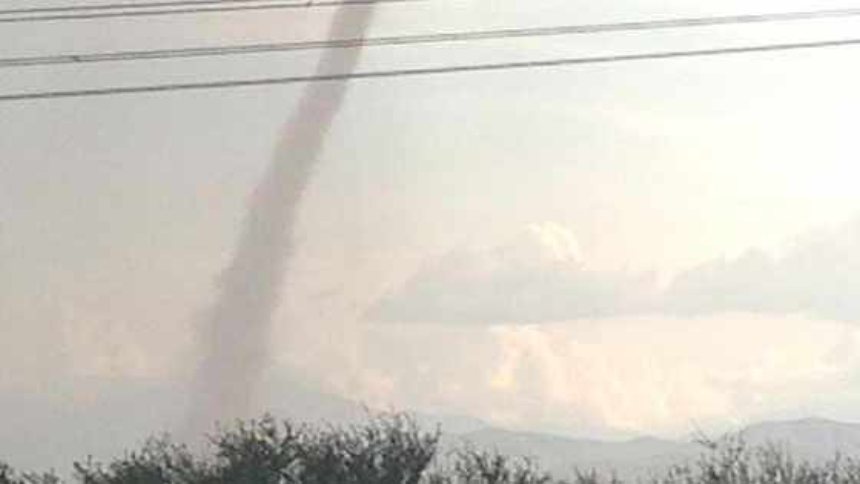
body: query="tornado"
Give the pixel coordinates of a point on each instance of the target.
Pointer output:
(235, 332)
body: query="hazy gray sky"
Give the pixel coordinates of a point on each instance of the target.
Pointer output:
(620, 248)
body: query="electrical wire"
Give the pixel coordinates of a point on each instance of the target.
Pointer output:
(505, 66)
(260, 5)
(132, 6)
(439, 37)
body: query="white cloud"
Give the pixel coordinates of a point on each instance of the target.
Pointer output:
(537, 276)
(577, 350)
(540, 276)
(656, 375)
(818, 276)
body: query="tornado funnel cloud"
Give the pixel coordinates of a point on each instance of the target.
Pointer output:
(234, 339)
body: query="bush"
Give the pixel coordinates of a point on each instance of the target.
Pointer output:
(387, 450)
(9, 476)
(260, 452)
(481, 467)
(159, 462)
(731, 461)
(392, 449)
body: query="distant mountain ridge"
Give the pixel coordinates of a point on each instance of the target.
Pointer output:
(51, 433)
(809, 438)
(563, 455)
(812, 439)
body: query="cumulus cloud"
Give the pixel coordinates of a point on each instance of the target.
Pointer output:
(630, 375)
(571, 349)
(537, 276)
(818, 276)
(540, 276)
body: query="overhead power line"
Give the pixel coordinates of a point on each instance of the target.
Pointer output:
(131, 6)
(208, 6)
(504, 66)
(440, 37)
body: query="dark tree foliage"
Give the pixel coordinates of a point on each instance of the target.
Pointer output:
(731, 461)
(392, 449)
(9, 476)
(263, 452)
(159, 462)
(387, 450)
(472, 466)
